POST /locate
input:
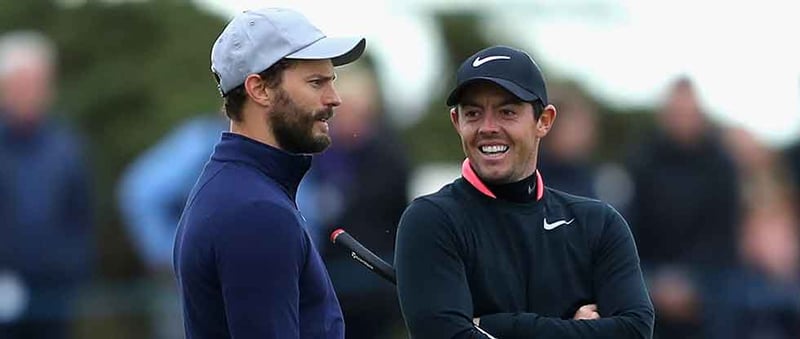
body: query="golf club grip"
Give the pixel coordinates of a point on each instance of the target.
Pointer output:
(363, 255)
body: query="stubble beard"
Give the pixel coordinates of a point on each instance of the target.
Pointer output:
(293, 127)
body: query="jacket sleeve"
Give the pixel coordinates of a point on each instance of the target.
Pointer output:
(431, 281)
(260, 255)
(622, 298)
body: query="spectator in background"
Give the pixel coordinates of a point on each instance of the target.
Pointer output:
(360, 184)
(566, 160)
(46, 245)
(684, 211)
(152, 192)
(153, 189)
(762, 298)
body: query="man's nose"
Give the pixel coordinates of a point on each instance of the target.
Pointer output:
(488, 124)
(331, 98)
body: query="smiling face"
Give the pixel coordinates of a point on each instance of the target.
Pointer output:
(499, 133)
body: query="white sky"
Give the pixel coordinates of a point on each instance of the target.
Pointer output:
(743, 56)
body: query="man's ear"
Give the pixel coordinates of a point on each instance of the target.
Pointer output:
(546, 120)
(257, 90)
(454, 117)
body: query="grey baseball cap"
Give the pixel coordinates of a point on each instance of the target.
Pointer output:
(255, 40)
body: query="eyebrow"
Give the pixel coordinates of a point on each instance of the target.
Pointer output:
(321, 76)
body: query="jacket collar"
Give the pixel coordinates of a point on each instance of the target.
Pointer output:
(286, 168)
(472, 178)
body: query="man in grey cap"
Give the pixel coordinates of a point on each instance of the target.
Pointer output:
(245, 265)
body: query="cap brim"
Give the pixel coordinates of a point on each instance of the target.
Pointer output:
(519, 92)
(340, 51)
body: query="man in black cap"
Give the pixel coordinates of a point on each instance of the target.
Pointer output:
(498, 249)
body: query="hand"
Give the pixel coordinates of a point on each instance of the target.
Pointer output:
(587, 312)
(476, 321)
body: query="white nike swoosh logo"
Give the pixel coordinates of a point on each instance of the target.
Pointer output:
(478, 61)
(553, 226)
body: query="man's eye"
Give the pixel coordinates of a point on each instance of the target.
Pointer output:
(508, 112)
(316, 83)
(471, 114)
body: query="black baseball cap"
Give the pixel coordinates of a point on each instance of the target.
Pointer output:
(509, 68)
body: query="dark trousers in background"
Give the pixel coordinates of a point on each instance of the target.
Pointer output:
(369, 303)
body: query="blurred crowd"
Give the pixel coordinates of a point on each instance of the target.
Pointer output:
(714, 211)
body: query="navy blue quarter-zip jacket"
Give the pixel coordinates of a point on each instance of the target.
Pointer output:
(244, 261)
(523, 268)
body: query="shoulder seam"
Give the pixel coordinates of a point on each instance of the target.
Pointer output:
(191, 203)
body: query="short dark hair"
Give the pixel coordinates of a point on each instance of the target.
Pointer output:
(538, 109)
(234, 100)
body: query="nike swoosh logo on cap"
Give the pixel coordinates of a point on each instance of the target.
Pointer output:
(550, 227)
(478, 61)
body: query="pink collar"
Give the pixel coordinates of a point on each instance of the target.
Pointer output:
(469, 174)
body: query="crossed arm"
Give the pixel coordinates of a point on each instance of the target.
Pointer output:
(436, 301)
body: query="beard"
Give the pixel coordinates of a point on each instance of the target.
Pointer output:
(293, 127)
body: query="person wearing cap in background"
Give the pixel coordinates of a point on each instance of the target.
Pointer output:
(245, 265)
(498, 249)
